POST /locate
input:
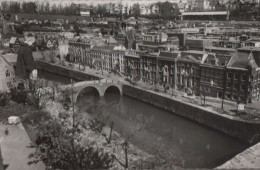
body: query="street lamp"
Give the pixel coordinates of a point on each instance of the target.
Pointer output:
(204, 93)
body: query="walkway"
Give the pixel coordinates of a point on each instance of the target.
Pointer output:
(14, 151)
(249, 159)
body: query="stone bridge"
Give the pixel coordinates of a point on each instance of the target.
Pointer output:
(100, 85)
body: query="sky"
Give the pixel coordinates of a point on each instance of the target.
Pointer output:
(95, 2)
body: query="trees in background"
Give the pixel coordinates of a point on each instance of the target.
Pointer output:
(136, 11)
(38, 7)
(168, 10)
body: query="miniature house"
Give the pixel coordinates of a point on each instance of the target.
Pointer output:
(49, 44)
(14, 42)
(7, 74)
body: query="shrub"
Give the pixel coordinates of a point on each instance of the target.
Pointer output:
(35, 117)
(4, 99)
(59, 147)
(18, 96)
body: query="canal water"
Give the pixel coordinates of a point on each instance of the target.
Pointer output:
(191, 144)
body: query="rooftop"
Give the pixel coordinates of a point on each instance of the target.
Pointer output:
(249, 49)
(243, 60)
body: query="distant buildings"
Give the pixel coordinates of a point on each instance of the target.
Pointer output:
(145, 10)
(209, 15)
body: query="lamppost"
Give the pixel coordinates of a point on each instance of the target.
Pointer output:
(223, 92)
(204, 93)
(72, 100)
(156, 74)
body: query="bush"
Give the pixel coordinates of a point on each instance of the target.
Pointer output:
(32, 100)
(4, 98)
(35, 117)
(18, 96)
(60, 148)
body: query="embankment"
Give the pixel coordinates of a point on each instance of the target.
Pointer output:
(233, 126)
(65, 71)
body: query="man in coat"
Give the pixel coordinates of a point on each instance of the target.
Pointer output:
(25, 65)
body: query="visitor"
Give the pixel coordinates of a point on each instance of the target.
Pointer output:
(25, 69)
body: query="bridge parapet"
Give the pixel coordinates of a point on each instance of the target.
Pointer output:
(100, 85)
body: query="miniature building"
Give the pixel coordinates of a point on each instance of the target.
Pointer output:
(49, 44)
(14, 42)
(84, 10)
(7, 74)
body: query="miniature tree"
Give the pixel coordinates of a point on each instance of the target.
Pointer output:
(139, 124)
(59, 145)
(101, 119)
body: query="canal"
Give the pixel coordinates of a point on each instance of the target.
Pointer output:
(193, 145)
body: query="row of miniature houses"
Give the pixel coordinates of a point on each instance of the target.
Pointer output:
(14, 43)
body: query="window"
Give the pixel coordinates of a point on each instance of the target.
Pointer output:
(217, 73)
(236, 86)
(7, 73)
(236, 76)
(228, 96)
(243, 87)
(9, 84)
(228, 85)
(229, 75)
(251, 78)
(243, 77)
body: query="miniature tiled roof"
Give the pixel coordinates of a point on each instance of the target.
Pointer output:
(189, 58)
(10, 58)
(12, 40)
(111, 40)
(243, 60)
(97, 41)
(100, 48)
(192, 56)
(169, 56)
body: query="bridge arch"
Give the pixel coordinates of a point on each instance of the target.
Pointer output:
(113, 88)
(94, 89)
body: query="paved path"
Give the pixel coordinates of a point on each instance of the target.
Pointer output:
(249, 159)
(14, 150)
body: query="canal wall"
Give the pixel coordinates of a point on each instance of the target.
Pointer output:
(65, 71)
(248, 159)
(243, 130)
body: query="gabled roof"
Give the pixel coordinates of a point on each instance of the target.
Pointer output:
(13, 40)
(188, 58)
(10, 58)
(243, 60)
(111, 40)
(198, 55)
(97, 41)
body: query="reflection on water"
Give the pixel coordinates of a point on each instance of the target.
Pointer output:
(50, 77)
(197, 145)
